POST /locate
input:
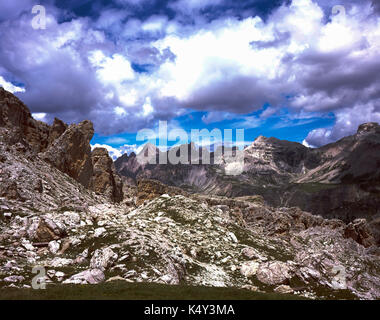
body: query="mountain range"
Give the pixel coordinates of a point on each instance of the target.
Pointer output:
(339, 180)
(84, 220)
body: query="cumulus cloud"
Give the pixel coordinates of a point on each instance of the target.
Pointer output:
(348, 120)
(115, 153)
(10, 86)
(125, 73)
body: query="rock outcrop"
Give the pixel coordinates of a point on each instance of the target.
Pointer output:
(105, 180)
(151, 189)
(67, 148)
(181, 240)
(16, 117)
(71, 153)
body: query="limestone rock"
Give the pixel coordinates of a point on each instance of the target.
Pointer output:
(150, 189)
(91, 276)
(105, 179)
(56, 130)
(359, 231)
(274, 273)
(45, 231)
(71, 153)
(284, 289)
(249, 269)
(17, 117)
(103, 259)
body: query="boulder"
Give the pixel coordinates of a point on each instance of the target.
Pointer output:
(103, 259)
(90, 276)
(274, 273)
(249, 269)
(46, 231)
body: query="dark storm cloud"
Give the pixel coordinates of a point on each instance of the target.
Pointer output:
(12, 9)
(239, 94)
(281, 62)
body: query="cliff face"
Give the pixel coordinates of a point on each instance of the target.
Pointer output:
(16, 117)
(105, 180)
(71, 153)
(67, 148)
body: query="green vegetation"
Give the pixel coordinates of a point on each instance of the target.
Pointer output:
(120, 290)
(314, 187)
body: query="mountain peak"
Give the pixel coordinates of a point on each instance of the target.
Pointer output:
(369, 127)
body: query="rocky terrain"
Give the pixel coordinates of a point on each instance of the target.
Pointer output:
(62, 207)
(340, 180)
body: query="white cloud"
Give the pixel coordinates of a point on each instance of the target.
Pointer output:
(190, 5)
(114, 69)
(39, 116)
(113, 152)
(347, 123)
(116, 140)
(229, 65)
(306, 144)
(9, 86)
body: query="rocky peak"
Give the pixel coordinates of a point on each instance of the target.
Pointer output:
(71, 152)
(15, 116)
(12, 111)
(370, 127)
(56, 130)
(105, 179)
(65, 147)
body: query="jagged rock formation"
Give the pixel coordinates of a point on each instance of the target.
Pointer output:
(340, 180)
(71, 153)
(67, 148)
(15, 116)
(161, 234)
(104, 178)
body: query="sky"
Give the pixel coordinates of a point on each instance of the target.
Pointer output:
(300, 70)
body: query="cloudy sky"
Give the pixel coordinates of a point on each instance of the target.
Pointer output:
(299, 70)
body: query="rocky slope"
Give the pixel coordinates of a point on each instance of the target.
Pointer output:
(340, 180)
(54, 216)
(193, 240)
(65, 147)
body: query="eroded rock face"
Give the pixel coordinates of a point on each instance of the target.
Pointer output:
(105, 179)
(16, 116)
(65, 147)
(56, 130)
(71, 153)
(359, 230)
(150, 189)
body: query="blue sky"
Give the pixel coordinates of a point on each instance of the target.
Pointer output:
(300, 70)
(281, 126)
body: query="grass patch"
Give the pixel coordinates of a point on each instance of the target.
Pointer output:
(120, 290)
